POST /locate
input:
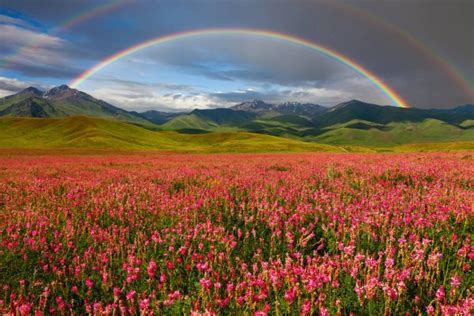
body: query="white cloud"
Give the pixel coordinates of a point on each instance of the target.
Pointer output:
(5, 19)
(147, 98)
(32, 47)
(12, 85)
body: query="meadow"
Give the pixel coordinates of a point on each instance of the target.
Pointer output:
(280, 234)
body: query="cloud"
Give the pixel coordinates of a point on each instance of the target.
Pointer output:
(282, 94)
(169, 86)
(131, 100)
(10, 86)
(349, 28)
(5, 19)
(136, 96)
(133, 95)
(33, 53)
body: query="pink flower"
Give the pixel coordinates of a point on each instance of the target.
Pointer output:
(392, 293)
(61, 303)
(323, 311)
(205, 283)
(144, 304)
(117, 292)
(130, 295)
(433, 259)
(291, 294)
(163, 278)
(25, 309)
(89, 283)
(440, 294)
(151, 269)
(455, 281)
(306, 308)
(430, 310)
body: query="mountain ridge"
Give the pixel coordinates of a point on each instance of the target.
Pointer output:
(62, 101)
(353, 121)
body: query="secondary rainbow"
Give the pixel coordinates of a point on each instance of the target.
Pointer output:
(449, 69)
(66, 25)
(378, 82)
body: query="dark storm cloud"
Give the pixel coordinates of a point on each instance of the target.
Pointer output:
(445, 28)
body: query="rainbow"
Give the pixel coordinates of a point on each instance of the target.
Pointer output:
(389, 92)
(456, 75)
(89, 14)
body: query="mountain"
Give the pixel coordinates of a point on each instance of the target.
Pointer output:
(31, 107)
(255, 106)
(350, 123)
(358, 110)
(157, 117)
(20, 96)
(210, 120)
(295, 108)
(32, 91)
(62, 101)
(466, 108)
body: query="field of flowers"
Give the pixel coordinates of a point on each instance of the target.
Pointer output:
(258, 234)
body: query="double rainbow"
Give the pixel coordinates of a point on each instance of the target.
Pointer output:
(377, 81)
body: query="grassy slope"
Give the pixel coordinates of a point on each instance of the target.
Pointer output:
(94, 133)
(189, 121)
(10, 100)
(394, 134)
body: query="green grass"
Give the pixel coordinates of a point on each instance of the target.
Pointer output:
(429, 147)
(467, 124)
(394, 134)
(7, 101)
(189, 121)
(95, 133)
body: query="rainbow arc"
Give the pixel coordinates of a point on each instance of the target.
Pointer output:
(331, 53)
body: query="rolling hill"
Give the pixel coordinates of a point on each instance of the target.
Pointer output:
(368, 134)
(210, 120)
(98, 133)
(352, 123)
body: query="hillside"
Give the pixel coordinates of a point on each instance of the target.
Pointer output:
(210, 120)
(352, 123)
(379, 135)
(96, 133)
(61, 102)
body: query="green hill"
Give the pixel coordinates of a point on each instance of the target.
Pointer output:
(352, 125)
(61, 102)
(210, 120)
(96, 133)
(393, 134)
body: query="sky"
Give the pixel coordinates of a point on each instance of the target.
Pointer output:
(422, 50)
